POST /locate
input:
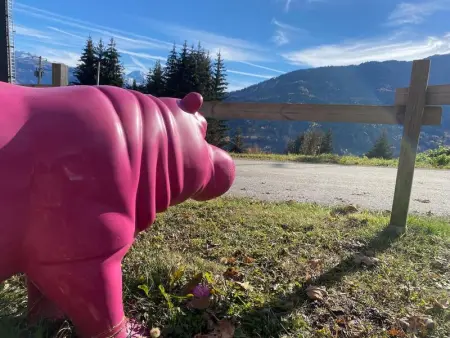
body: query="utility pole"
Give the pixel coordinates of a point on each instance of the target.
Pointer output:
(98, 72)
(39, 71)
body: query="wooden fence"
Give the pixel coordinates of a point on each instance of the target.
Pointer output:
(417, 105)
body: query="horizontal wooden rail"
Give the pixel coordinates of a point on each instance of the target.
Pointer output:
(436, 96)
(316, 112)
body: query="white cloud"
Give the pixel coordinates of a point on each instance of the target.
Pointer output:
(138, 63)
(71, 32)
(250, 74)
(287, 5)
(232, 49)
(284, 32)
(263, 67)
(59, 56)
(415, 13)
(124, 39)
(286, 26)
(237, 85)
(66, 33)
(142, 55)
(280, 38)
(358, 52)
(31, 32)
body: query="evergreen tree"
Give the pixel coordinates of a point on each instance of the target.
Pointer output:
(99, 58)
(237, 145)
(171, 74)
(326, 145)
(186, 70)
(155, 84)
(201, 72)
(112, 66)
(219, 81)
(134, 86)
(312, 140)
(294, 146)
(85, 72)
(381, 148)
(217, 129)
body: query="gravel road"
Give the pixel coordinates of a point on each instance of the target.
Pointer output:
(367, 187)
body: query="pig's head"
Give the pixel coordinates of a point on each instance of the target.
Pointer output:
(197, 169)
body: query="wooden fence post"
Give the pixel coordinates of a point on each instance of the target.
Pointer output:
(60, 75)
(411, 130)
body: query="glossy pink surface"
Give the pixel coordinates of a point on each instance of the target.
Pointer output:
(83, 169)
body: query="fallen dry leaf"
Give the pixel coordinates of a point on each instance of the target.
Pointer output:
(315, 263)
(224, 329)
(308, 277)
(248, 260)
(245, 285)
(368, 261)
(200, 303)
(316, 293)
(228, 260)
(232, 273)
(416, 324)
(443, 305)
(396, 333)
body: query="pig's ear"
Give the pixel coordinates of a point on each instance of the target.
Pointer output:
(191, 103)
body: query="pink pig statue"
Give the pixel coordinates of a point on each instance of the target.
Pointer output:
(83, 170)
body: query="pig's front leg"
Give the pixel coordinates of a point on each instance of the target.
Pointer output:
(89, 292)
(39, 306)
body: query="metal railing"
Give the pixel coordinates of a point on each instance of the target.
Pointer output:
(10, 42)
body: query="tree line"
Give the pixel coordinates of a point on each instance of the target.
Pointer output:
(315, 141)
(190, 69)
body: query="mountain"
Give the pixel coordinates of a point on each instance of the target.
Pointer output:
(371, 83)
(137, 75)
(27, 63)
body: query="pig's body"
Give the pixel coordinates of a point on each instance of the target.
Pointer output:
(82, 170)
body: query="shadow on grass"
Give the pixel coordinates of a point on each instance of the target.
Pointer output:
(266, 321)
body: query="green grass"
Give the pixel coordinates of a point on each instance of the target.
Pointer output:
(422, 161)
(279, 249)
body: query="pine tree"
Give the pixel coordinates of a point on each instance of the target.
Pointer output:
(326, 145)
(237, 145)
(85, 72)
(171, 74)
(202, 76)
(219, 82)
(312, 140)
(381, 148)
(294, 146)
(186, 70)
(99, 58)
(155, 84)
(217, 129)
(113, 68)
(134, 86)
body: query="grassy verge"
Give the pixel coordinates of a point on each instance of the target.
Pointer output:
(422, 161)
(261, 262)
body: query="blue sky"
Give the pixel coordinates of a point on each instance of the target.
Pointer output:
(259, 39)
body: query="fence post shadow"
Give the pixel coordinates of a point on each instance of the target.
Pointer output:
(283, 305)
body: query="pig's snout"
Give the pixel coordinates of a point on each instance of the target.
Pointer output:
(222, 178)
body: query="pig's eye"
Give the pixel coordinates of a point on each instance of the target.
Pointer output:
(191, 103)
